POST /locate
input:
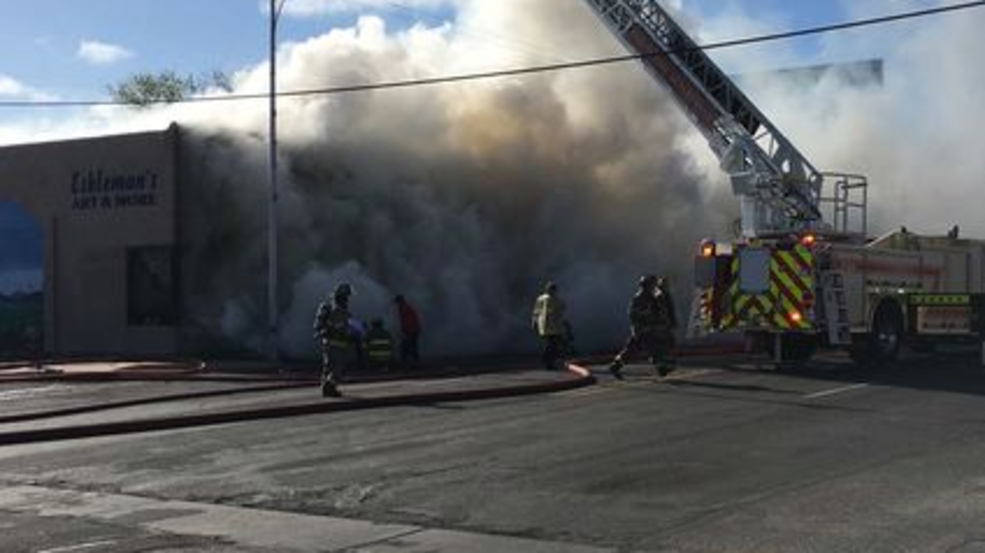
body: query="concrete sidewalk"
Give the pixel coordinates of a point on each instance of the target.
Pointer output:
(194, 398)
(259, 530)
(98, 370)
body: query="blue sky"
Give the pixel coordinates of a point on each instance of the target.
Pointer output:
(74, 49)
(41, 41)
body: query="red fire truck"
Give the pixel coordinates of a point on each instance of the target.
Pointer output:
(803, 273)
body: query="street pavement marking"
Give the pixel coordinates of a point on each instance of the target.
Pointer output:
(584, 392)
(631, 381)
(27, 393)
(679, 375)
(692, 373)
(836, 391)
(79, 547)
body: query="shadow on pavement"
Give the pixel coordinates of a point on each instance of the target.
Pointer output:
(731, 387)
(950, 371)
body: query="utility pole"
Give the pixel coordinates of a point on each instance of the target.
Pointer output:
(273, 309)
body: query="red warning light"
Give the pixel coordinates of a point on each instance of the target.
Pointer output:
(708, 248)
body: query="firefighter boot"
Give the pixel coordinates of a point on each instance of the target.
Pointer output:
(661, 366)
(330, 389)
(616, 369)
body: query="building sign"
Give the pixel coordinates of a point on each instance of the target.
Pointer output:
(95, 189)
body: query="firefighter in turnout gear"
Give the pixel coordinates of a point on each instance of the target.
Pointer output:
(549, 324)
(652, 322)
(666, 325)
(379, 346)
(338, 345)
(410, 333)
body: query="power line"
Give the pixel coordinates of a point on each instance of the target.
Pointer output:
(519, 71)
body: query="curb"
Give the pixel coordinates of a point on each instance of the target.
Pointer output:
(191, 364)
(94, 408)
(203, 374)
(583, 378)
(149, 376)
(130, 371)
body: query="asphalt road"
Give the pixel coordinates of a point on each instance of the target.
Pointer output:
(719, 457)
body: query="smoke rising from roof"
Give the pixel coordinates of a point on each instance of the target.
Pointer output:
(464, 198)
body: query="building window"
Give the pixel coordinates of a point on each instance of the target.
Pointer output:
(151, 290)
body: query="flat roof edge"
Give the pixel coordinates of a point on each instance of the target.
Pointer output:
(171, 128)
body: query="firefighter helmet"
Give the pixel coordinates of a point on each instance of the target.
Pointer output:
(342, 291)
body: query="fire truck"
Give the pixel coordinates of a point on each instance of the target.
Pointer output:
(803, 273)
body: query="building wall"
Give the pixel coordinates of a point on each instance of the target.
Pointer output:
(103, 203)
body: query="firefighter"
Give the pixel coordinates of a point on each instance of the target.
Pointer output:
(410, 332)
(666, 325)
(379, 346)
(548, 322)
(332, 329)
(651, 319)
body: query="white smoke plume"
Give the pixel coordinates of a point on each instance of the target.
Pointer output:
(916, 137)
(465, 198)
(308, 8)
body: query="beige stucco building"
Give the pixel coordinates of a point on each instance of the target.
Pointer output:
(107, 210)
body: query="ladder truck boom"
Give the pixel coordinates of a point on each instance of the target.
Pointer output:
(780, 191)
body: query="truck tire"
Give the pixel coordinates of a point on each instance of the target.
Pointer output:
(882, 345)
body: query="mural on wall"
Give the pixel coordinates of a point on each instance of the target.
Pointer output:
(21, 282)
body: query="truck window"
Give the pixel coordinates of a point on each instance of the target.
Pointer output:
(754, 270)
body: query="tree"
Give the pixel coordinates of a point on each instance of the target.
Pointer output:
(145, 89)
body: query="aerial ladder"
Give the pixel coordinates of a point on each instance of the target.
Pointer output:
(780, 192)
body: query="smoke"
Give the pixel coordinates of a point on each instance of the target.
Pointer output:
(918, 139)
(464, 198)
(915, 137)
(467, 197)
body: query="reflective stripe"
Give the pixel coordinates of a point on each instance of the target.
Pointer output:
(792, 279)
(338, 344)
(732, 297)
(379, 349)
(787, 305)
(805, 260)
(940, 299)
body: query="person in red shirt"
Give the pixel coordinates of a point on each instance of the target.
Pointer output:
(410, 332)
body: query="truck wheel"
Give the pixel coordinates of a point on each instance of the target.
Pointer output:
(882, 346)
